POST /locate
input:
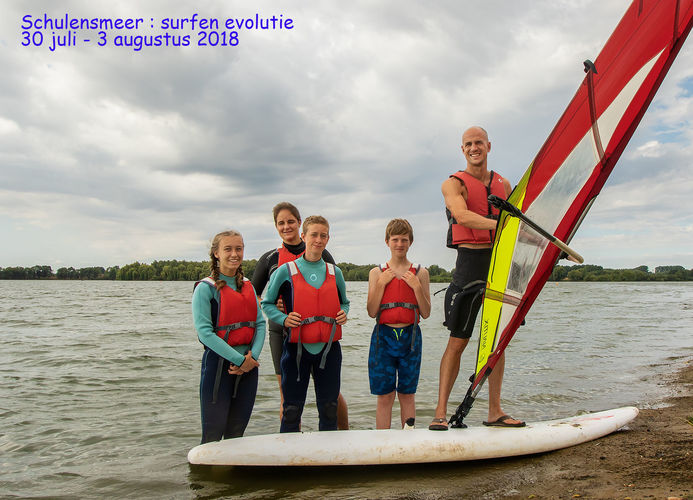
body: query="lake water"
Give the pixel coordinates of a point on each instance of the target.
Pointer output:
(99, 387)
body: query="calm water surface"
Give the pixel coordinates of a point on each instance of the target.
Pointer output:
(99, 382)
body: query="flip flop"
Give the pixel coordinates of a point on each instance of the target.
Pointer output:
(438, 424)
(501, 422)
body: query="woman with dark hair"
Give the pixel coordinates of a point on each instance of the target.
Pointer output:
(230, 324)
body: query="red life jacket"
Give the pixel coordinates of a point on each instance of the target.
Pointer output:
(477, 202)
(286, 256)
(236, 314)
(398, 305)
(318, 307)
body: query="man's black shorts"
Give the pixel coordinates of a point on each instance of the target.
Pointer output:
(464, 295)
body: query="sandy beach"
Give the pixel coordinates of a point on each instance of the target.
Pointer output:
(651, 458)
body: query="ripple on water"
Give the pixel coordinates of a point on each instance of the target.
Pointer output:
(112, 412)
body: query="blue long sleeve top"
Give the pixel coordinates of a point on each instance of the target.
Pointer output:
(202, 319)
(279, 285)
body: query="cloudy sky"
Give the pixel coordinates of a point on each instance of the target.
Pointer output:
(110, 155)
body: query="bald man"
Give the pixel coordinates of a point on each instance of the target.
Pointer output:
(471, 232)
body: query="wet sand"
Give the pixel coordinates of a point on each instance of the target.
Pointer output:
(651, 458)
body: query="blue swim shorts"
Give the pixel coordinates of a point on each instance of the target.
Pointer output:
(392, 363)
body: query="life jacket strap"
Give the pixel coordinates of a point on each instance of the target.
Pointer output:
(413, 329)
(392, 305)
(308, 321)
(236, 326)
(299, 350)
(217, 380)
(315, 319)
(323, 360)
(220, 365)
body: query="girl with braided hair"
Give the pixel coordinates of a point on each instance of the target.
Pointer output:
(230, 325)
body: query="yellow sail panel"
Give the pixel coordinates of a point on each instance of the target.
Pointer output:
(496, 287)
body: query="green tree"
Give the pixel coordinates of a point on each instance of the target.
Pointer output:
(67, 273)
(438, 274)
(559, 273)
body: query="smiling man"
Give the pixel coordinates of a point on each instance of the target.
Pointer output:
(472, 222)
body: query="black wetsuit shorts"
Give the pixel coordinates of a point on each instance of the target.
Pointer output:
(465, 294)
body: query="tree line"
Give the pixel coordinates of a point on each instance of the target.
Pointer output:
(164, 270)
(181, 270)
(173, 270)
(640, 273)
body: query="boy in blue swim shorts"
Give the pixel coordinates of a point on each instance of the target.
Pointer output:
(398, 296)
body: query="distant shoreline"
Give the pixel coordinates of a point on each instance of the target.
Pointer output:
(175, 270)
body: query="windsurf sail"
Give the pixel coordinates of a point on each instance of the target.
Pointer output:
(560, 185)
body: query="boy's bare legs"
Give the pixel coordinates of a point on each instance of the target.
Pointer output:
(383, 410)
(407, 406)
(342, 414)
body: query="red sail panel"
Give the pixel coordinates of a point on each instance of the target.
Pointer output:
(646, 29)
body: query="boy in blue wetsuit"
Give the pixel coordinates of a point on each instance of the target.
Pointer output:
(398, 295)
(229, 323)
(314, 297)
(287, 221)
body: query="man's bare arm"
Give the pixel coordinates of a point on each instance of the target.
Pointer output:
(453, 193)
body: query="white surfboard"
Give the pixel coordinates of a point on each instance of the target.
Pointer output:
(371, 447)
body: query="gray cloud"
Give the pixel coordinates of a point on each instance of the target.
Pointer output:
(356, 113)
